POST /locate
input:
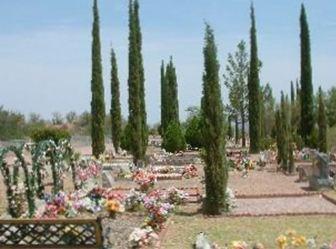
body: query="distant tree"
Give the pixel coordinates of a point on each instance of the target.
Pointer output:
(171, 105)
(322, 123)
(97, 90)
(115, 103)
(267, 114)
(331, 106)
(70, 117)
(253, 90)
(12, 125)
(164, 99)
(174, 138)
(235, 79)
(172, 93)
(57, 118)
(193, 132)
(307, 99)
(291, 163)
(216, 171)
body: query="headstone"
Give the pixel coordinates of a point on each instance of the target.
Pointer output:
(107, 179)
(202, 242)
(320, 176)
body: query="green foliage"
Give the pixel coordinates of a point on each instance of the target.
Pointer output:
(331, 106)
(50, 133)
(97, 90)
(138, 130)
(164, 99)
(12, 125)
(125, 140)
(253, 90)
(322, 124)
(267, 115)
(193, 133)
(143, 116)
(213, 132)
(235, 79)
(174, 140)
(115, 103)
(169, 96)
(307, 105)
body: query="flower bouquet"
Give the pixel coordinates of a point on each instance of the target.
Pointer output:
(113, 207)
(190, 171)
(145, 179)
(176, 196)
(142, 237)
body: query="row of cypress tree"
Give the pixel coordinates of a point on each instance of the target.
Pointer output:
(137, 120)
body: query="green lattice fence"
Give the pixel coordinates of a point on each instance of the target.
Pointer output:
(60, 233)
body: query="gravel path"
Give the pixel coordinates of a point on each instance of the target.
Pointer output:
(287, 205)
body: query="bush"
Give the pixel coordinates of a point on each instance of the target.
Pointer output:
(174, 140)
(50, 133)
(193, 135)
(125, 140)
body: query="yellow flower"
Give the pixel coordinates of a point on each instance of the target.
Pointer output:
(238, 245)
(298, 241)
(282, 242)
(114, 206)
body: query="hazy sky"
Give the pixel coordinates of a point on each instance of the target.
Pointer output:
(45, 47)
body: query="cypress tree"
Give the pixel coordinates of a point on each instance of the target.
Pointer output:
(216, 172)
(134, 102)
(115, 103)
(171, 106)
(285, 130)
(230, 132)
(172, 93)
(279, 135)
(97, 90)
(322, 123)
(292, 92)
(138, 35)
(253, 90)
(163, 126)
(307, 105)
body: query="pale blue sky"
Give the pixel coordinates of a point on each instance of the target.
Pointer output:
(45, 47)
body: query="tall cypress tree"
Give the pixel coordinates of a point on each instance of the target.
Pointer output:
(253, 90)
(138, 35)
(307, 105)
(172, 93)
(216, 172)
(97, 90)
(322, 123)
(115, 103)
(134, 102)
(163, 125)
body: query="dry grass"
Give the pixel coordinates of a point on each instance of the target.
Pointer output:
(183, 230)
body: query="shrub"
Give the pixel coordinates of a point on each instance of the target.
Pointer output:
(193, 135)
(174, 140)
(50, 133)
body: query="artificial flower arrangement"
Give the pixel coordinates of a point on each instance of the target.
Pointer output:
(113, 207)
(176, 196)
(142, 237)
(133, 200)
(290, 240)
(190, 171)
(87, 169)
(145, 179)
(158, 210)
